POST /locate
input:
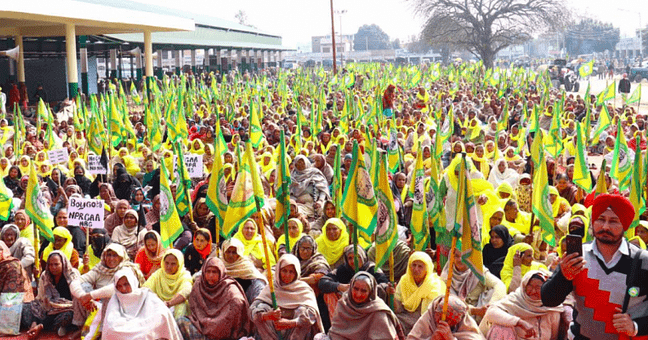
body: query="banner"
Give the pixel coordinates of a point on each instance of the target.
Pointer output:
(193, 163)
(86, 212)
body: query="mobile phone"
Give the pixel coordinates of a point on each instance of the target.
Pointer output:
(574, 244)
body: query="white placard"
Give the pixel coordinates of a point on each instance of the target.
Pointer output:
(86, 212)
(193, 163)
(94, 165)
(58, 156)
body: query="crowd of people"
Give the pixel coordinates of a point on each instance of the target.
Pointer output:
(310, 280)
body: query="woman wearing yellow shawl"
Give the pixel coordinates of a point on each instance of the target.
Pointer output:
(197, 147)
(248, 234)
(172, 283)
(267, 162)
(295, 233)
(24, 165)
(41, 157)
(561, 210)
(492, 152)
(332, 241)
(505, 192)
(5, 165)
(132, 166)
(63, 243)
(637, 241)
(480, 161)
(474, 131)
(416, 290)
(518, 261)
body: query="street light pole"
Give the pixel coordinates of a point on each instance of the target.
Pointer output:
(333, 39)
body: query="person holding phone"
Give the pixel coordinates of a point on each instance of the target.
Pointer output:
(609, 281)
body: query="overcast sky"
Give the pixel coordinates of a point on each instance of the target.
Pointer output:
(297, 20)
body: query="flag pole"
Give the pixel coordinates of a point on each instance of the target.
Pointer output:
(391, 278)
(261, 231)
(451, 258)
(37, 257)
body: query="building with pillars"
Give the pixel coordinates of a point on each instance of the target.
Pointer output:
(121, 39)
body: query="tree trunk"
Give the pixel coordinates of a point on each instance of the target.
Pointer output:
(488, 57)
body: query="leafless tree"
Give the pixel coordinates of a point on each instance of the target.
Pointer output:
(485, 27)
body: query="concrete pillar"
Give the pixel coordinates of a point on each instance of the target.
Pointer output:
(160, 59)
(239, 59)
(251, 59)
(193, 61)
(113, 63)
(217, 55)
(148, 60)
(138, 66)
(84, 69)
(21, 60)
(71, 58)
(206, 60)
(177, 54)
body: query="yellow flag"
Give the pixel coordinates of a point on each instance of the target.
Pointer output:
(37, 207)
(359, 206)
(241, 205)
(170, 225)
(217, 190)
(419, 222)
(256, 134)
(387, 221)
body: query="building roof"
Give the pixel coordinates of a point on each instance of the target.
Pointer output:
(48, 19)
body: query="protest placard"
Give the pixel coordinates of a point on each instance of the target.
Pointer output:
(86, 212)
(193, 163)
(94, 165)
(58, 156)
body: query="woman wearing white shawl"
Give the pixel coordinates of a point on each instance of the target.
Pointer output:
(297, 316)
(502, 173)
(136, 313)
(521, 315)
(308, 186)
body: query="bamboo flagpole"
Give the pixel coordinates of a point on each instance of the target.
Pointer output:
(451, 257)
(391, 278)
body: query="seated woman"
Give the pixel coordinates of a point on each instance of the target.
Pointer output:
(248, 234)
(117, 217)
(333, 240)
(313, 264)
(561, 210)
(97, 283)
(62, 242)
(219, 309)
(518, 261)
(14, 279)
(149, 257)
(297, 316)
(335, 283)
(24, 224)
(495, 251)
(360, 314)
(197, 252)
(309, 187)
(172, 283)
(126, 234)
(136, 313)
(401, 257)
(521, 315)
(327, 212)
(416, 290)
(99, 239)
(476, 294)
(295, 233)
(241, 269)
(78, 236)
(458, 324)
(19, 247)
(52, 310)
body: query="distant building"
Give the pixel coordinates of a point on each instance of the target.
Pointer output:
(324, 44)
(627, 48)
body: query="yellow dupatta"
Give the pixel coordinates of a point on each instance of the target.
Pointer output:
(418, 297)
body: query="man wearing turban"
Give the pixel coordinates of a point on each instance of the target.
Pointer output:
(610, 271)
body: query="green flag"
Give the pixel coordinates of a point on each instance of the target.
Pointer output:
(541, 206)
(582, 176)
(607, 94)
(387, 219)
(586, 68)
(636, 96)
